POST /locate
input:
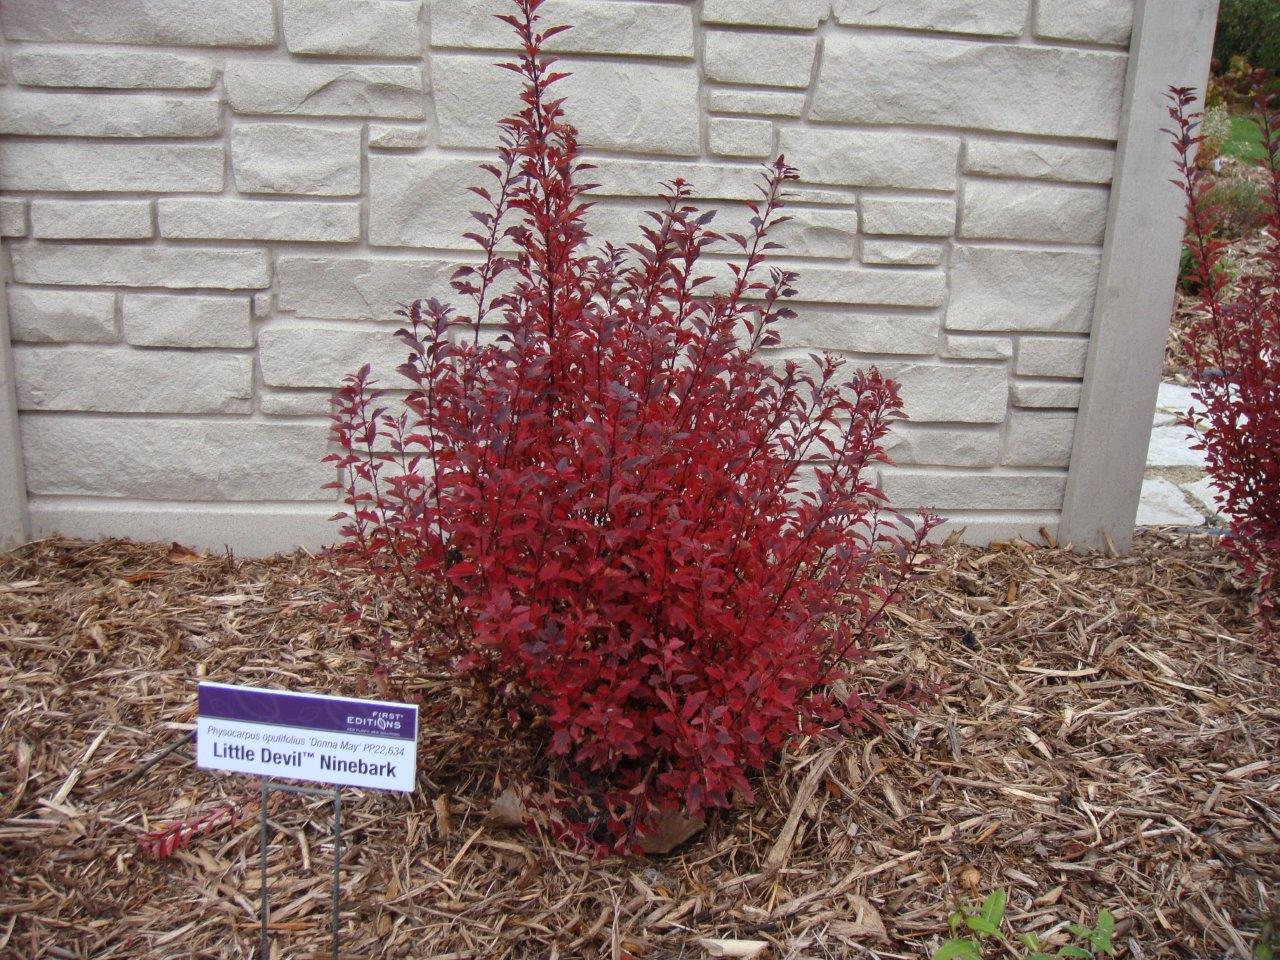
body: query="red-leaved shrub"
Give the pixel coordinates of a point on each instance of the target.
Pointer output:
(600, 504)
(1234, 347)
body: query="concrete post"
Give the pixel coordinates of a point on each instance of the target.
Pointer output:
(1171, 46)
(14, 527)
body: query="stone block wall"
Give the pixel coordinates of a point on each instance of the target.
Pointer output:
(211, 209)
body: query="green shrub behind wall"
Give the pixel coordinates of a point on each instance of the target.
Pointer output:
(1251, 29)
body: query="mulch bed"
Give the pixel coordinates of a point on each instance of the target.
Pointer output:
(1107, 737)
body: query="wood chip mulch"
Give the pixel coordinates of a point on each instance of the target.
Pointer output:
(1107, 738)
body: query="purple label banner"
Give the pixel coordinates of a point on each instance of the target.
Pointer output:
(369, 718)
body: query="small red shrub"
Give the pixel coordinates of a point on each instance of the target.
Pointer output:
(600, 510)
(1234, 347)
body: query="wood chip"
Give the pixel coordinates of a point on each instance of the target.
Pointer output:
(1104, 736)
(734, 948)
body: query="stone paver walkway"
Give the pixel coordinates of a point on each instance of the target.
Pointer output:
(1175, 489)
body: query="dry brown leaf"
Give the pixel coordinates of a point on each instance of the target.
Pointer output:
(672, 829)
(507, 811)
(183, 555)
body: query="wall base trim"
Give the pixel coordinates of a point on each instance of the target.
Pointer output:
(246, 529)
(255, 530)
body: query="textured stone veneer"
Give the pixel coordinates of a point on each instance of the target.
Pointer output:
(211, 210)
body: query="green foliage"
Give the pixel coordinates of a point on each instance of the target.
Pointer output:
(1241, 207)
(1187, 277)
(1243, 140)
(1249, 29)
(1229, 135)
(1215, 129)
(1268, 941)
(983, 924)
(1186, 269)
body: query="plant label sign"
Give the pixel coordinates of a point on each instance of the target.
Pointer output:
(303, 736)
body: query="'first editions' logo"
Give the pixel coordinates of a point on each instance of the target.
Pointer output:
(380, 720)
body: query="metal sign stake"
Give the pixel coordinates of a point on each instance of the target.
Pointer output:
(264, 940)
(335, 741)
(337, 863)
